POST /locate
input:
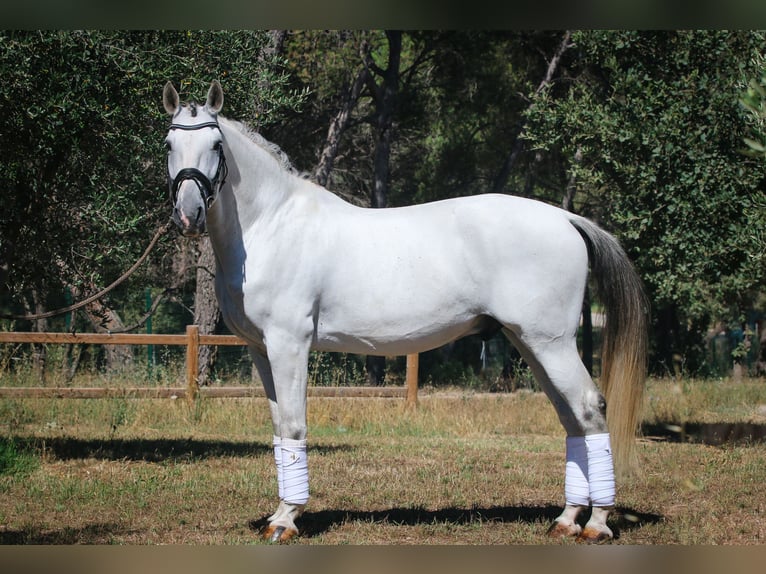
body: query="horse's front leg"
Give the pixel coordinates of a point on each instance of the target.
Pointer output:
(263, 366)
(284, 375)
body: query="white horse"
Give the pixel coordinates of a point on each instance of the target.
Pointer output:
(297, 269)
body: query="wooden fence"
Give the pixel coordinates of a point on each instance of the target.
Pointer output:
(192, 339)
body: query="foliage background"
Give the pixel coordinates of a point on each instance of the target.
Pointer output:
(643, 131)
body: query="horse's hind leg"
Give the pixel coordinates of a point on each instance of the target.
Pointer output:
(589, 477)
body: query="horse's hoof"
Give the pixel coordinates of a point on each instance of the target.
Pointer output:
(562, 530)
(278, 534)
(593, 536)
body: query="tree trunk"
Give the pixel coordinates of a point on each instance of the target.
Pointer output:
(505, 170)
(265, 58)
(39, 351)
(571, 190)
(384, 96)
(105, 319)
(206, 311)
(277, 41)
(337, 127)
(667, 329)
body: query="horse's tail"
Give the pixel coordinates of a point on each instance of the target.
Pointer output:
(624, 347)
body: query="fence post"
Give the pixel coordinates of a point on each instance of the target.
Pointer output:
(149, 347)
(412, 379)
(192, 362)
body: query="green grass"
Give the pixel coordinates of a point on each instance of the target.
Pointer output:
(14, 461)
(463, 468)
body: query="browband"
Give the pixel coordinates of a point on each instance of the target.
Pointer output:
(195, 126)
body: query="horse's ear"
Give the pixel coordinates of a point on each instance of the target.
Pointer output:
(215, 97)
(170, 98)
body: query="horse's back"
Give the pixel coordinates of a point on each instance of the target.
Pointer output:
(476, 237)
(436, 271)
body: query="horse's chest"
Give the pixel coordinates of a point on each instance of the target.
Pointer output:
(241, 312)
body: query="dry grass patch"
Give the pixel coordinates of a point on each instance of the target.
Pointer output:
(463, 468)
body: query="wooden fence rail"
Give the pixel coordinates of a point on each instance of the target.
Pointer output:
(192, 340)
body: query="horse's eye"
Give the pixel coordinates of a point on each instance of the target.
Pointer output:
(217, 146)
(168, 147)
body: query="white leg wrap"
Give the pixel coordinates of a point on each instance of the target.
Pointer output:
(576, 479)
(589, 471)
(295, 471)
(278, 460)
(600, 469)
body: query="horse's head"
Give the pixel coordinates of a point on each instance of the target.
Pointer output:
(196, 164)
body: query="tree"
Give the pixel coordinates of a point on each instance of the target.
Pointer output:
(384, 98)
(754, 101)
(83, 161)
(654, 115)
(73, 155)
(452, 103)
(550, 73)
(370, 82)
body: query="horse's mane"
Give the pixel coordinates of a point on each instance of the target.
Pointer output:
(273, 149)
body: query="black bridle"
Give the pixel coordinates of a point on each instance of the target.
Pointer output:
(207, 188)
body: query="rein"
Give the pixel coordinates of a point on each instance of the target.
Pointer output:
(206, 187)
(161, 231)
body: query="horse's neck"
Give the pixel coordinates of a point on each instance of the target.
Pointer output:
(259, 183)
(258, 197)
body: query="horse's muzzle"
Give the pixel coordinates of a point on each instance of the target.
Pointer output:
(189, 226)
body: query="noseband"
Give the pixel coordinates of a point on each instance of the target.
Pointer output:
(207, 188)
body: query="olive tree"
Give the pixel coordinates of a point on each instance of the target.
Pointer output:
(83, 164)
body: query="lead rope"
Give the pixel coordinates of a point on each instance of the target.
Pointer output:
(101, 293)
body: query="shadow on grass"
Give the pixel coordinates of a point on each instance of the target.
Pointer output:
(90, 534)
(151, 450)
(713, 434)
(317, 523)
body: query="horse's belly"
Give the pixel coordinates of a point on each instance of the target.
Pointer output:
(389, 338)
